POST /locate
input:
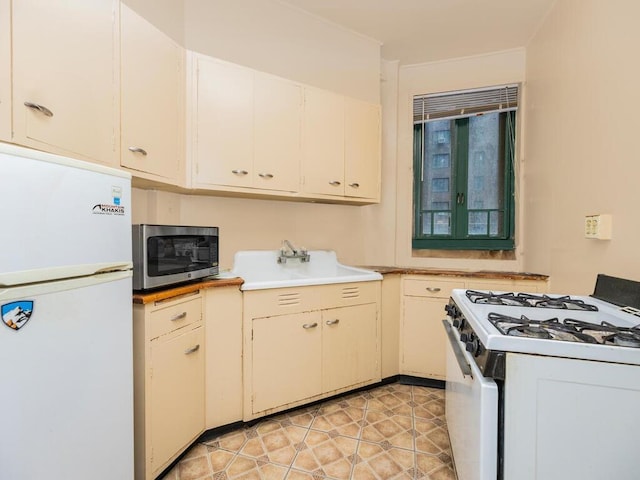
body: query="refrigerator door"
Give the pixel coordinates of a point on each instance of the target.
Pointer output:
(61, 218)
(67, 380)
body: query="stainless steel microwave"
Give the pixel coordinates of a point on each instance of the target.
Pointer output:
(165, 255)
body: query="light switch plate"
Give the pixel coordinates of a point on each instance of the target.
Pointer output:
(597, 226)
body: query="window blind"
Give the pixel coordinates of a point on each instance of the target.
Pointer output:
(465, 103)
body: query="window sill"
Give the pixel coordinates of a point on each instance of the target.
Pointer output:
(466, 254)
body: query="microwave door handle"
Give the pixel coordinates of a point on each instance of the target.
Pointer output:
(465, 368)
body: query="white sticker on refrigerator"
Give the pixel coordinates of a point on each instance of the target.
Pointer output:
(116, 193)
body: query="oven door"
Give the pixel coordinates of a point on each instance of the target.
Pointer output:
(472, 413)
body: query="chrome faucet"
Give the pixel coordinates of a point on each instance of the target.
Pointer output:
(288, 251)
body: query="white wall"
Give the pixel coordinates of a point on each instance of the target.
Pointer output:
(456, 74)
(277, 38)
(581, 151)
(166, 15)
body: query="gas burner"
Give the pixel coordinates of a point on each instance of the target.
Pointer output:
(569, 329)
(624, 339)
(529, 331)
(490, 298)
(565, 302)
(529, 300)
(609, 334)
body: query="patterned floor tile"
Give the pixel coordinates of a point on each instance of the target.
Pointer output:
(391, 432)
(343, 420)
(386, 426)
(383, 462)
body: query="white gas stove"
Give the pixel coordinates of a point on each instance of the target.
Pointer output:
(529, 377)
(554, 325)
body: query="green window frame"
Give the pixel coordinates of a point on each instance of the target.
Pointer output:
(456, 228)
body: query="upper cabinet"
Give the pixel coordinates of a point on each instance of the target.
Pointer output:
(277, 116)
(97, 81)
(5, 70)
(257, 134)
(65, 77)
(341, 146)
(361, 149)
(152, 101)
(247, 128)
(222, 123)
(323, 158)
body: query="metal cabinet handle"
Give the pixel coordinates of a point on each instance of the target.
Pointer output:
(41, 108)
(178, 316)
(307, 326)
(239, 172)
(433, 289)
(354, 185)
(195, 348)
(333, 322)
(465, 368)
(265, 175)
(335, 183)
(139, 150)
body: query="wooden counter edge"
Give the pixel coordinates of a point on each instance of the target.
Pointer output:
(494, 275)
(158, 295)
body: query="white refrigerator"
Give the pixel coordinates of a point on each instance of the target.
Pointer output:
(66, 372)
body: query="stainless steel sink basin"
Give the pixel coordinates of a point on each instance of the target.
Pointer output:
(260, 270)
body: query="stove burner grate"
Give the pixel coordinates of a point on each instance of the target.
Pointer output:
(529, 331)
(552, 329)
(529, 300)
(490, 298)
(609, 334)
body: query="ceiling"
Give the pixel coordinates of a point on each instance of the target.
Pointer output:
(419, 31)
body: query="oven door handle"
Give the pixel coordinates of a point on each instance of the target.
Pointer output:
(465, 368)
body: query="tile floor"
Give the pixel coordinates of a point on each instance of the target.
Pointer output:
(389, 432)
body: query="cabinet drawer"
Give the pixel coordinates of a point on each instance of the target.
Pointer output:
(430, 287)
(175, 315)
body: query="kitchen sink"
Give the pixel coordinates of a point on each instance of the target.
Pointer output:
(260, 269)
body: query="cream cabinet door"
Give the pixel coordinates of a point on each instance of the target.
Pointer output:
(362, 149)
(152, 69)
(423, 337)
(286, 359)
(277, 133)
(223, 315)
(224, 123)
(177, 395)
(349, 346)
(323, 142)
(5, 70)
(65, 77)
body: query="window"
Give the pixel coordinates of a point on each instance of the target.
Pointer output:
(440, 160)
(440, 184)
(464, 178)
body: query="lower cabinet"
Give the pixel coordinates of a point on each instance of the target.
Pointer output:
(422, 337)
(309, 343)
(349, 346)
(422, 349)
(169, 381)
(287, 359)
(223, 324)
(177, 394)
